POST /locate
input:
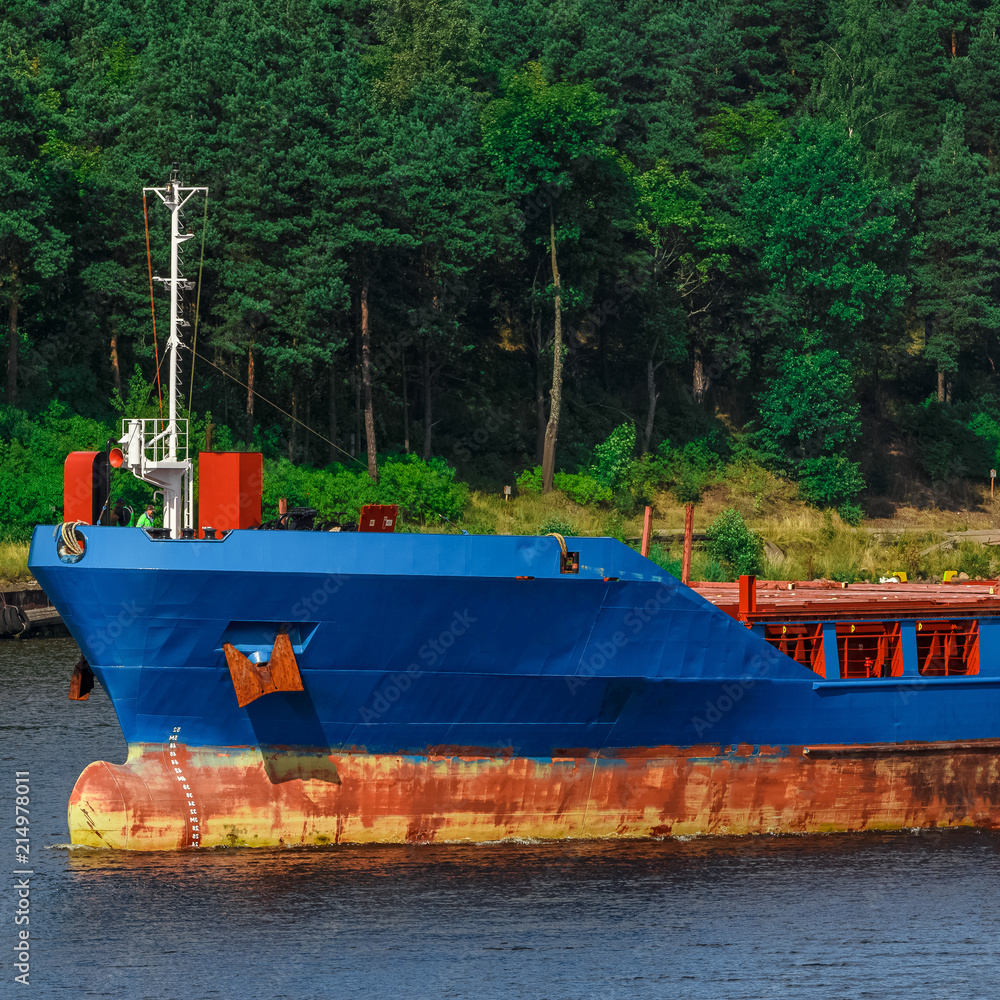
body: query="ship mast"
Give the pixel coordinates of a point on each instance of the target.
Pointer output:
(157, 450)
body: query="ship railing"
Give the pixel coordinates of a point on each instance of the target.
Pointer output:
(868, 649)
(151, 437)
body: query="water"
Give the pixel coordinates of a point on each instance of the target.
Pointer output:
(813, 917)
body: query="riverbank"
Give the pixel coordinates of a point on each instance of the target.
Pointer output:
(40, 619)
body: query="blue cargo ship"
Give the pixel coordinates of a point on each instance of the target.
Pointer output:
(464, 687)
(311, 687)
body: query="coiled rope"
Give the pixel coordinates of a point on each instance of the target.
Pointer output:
(67, 531)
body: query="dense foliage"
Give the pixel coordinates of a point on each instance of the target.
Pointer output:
(557, 218)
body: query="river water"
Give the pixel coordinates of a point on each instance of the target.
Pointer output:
(911, 914)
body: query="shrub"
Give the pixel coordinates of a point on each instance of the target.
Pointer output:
(987, 428)
(423, 490)
(663, 559)
(732, 543)
(582, 489)
(688, 470)
(613, 527)
(975, 560)
(530, 481)
(613, 456)
(851, 514)
(830, 479)
(554, 523)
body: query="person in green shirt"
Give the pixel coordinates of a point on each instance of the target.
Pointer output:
(146, 519)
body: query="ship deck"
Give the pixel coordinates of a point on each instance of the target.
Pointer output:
(819, 600)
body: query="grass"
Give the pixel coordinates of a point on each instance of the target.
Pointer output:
(804, 543)
(491, 514)
(14, 563)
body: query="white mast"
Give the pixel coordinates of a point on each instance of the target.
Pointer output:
(157, 450)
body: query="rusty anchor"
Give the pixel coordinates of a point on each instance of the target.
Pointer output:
(251, 680)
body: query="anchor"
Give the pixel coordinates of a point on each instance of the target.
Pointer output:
(252, 680)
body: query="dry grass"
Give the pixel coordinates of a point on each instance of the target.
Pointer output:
(14, 563)
(804, 543)
(490, 514)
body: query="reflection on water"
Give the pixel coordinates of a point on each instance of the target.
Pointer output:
(847, 916)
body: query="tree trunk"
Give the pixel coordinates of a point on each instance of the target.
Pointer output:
(356, 376)
(940, 392)
(293, 433)
(406, 407)
(428, 401)
(366, 378)
(333, 408)
(307, 423)
(699, 380)
(552, 428)
(12, 346)
(250, 377)
(540, 417)
(603, 340)
(116, 375)
(647, 437)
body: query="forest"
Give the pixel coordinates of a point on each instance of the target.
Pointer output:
(602, 247)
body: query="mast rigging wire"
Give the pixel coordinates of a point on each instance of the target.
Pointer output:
(285, 412)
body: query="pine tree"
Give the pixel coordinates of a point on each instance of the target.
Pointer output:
(956, 270)
(828, 238)
(33, 248)
(541, 136)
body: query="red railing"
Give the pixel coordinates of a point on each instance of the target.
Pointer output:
(948, 649)
(870, 649)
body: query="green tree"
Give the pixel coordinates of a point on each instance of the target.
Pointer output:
(450, 205)
(32, 246)
(956, 270)
(827, 237)
(541, 137)
(857, 87)
(692, 250)
(809, 423)
(978, 85)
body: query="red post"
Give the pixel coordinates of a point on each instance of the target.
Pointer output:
(688, 532)
(647, 530)
(282, 506)
(748, 595)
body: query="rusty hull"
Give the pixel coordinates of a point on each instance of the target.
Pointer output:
(171, 797)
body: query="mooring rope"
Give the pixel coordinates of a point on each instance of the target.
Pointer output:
(67, 530)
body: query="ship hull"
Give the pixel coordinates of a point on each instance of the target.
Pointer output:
(464, 688)
(164, 799)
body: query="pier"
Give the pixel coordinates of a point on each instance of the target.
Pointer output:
(38, 619)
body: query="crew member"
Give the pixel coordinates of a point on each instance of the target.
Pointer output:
(146, 519)
(121, 515)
